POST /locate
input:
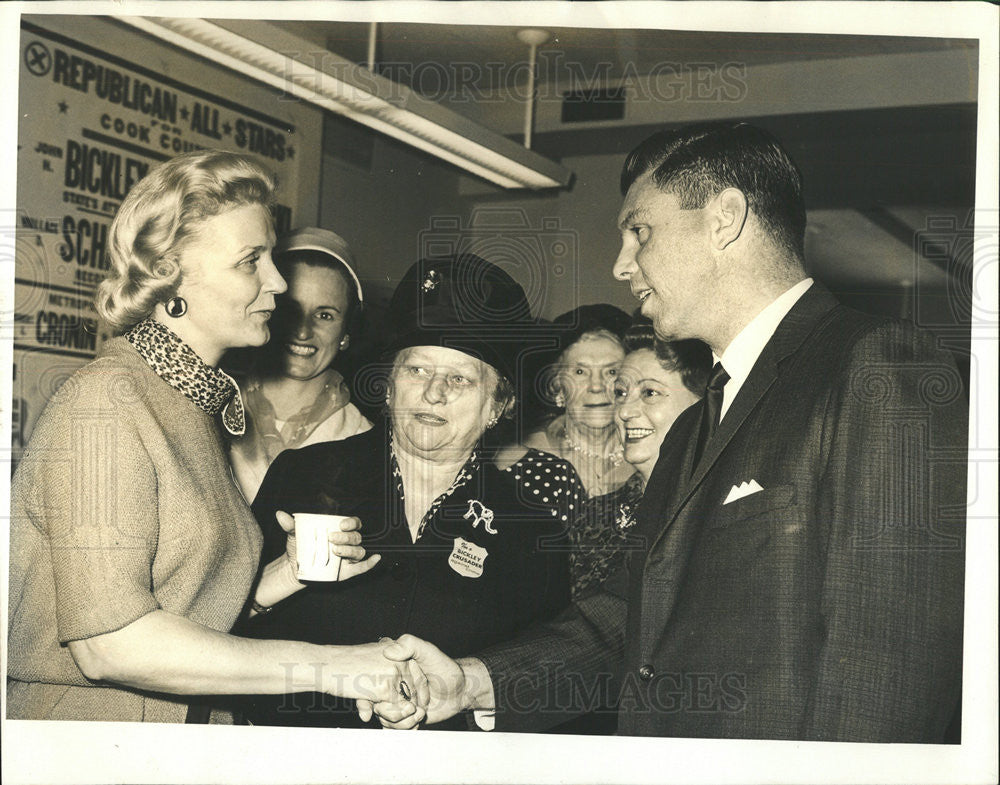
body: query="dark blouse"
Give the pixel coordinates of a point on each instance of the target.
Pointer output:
(491, 558)
(599, 535)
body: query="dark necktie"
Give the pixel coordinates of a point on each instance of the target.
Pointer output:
(710, 414)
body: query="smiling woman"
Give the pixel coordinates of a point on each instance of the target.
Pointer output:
(293, 395)
(655, 382)
(658, 380)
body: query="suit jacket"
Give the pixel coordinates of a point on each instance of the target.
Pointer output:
(827, 605)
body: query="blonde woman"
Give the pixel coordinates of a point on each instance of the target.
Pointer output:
(132, 552)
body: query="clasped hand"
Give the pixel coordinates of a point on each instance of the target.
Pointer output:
(437, 685)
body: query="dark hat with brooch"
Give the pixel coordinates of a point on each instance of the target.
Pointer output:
(462, 302)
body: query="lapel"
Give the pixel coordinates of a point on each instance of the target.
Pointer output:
(793, 330)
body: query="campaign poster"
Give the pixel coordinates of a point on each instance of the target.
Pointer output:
(91, 123)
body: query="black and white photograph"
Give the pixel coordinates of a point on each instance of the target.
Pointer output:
(479, 392)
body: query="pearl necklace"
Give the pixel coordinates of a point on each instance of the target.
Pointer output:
(615, 458)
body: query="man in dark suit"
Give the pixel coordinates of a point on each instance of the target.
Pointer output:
(802, 569)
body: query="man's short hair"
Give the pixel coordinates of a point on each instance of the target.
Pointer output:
(696, 162)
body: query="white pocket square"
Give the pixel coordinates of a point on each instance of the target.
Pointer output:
(741, 490)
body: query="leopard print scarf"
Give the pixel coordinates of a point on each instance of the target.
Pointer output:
(208, 388)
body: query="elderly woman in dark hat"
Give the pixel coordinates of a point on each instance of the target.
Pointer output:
(470, 553)
(579, 384)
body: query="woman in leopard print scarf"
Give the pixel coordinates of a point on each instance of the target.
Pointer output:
(132, 550)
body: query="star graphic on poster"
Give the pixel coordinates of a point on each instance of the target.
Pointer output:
(63, 107)
(291, 151)
(184, 113)
(227, 129)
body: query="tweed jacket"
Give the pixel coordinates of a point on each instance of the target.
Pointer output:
(826, 606)
(124, 504)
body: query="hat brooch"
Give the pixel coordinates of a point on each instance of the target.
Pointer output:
(431, 280)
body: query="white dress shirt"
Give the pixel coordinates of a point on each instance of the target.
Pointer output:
(741, 355)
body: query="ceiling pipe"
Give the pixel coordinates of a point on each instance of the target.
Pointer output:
(533, 38)
(372, 40)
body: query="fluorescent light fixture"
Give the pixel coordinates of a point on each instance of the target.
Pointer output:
(296, 67)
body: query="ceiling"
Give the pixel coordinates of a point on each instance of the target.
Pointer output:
(879, 176)
(481, 56)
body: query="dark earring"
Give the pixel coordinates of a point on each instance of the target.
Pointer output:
(176, 306)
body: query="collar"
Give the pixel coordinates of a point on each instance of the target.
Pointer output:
(740, 356)
(208, 388)
(269, 434)
(465, 474)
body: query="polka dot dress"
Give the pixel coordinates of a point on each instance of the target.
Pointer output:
(549, 480)
(597, 541)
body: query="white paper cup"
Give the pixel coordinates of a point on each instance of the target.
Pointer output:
(314, 556)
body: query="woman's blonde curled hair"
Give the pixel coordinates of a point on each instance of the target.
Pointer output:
(159, 214)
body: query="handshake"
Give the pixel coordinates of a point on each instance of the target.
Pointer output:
(431, 686)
